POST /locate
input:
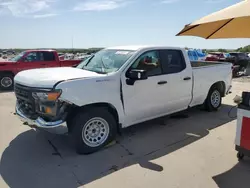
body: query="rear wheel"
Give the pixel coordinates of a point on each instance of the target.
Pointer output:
(213, 101)
(6, 81)
(92, 130)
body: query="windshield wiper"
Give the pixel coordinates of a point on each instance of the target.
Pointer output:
(91, 70)
(103, 66)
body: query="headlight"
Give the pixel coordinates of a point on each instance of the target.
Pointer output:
(47, 96)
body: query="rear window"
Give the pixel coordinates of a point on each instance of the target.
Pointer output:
(48, 56)
(172, 61)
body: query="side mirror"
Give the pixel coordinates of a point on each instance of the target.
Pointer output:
(137, 74)
(134, 75)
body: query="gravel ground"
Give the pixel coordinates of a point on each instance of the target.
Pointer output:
(242, 79)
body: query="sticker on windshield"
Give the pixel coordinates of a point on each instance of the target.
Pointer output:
(122, 52)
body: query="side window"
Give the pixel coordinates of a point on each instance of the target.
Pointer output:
(34, 57)
(150, 62)
(48, 56)
(172, 61)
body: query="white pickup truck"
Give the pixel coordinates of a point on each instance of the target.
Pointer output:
(115, 88)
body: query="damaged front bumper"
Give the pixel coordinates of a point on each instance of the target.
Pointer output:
(56, 127)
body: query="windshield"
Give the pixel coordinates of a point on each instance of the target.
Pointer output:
(106, 61)
(18, 57)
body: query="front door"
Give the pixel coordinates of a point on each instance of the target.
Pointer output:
(32, 60)
(146, 98)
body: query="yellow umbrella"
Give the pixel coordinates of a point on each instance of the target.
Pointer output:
(231, 22)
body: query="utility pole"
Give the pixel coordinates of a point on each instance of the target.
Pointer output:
(72, 43)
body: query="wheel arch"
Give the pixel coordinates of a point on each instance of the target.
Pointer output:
(221, 85)
(76, 109)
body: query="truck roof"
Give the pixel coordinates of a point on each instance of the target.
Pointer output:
(40, 50)
(139, 47)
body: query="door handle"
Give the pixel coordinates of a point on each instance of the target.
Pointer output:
(187, 78)
(162, 82)
(43, 64)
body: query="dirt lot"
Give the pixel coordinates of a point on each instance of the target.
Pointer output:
(193, 152)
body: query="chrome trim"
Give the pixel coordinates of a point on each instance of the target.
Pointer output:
(57, 127)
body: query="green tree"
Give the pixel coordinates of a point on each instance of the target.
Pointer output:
(244, 49)
(222, 50)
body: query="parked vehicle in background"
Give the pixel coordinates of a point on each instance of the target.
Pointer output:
(30, 59)
(60, 54)
(195, 55)
(216, 56)
(68, 56)
(192, 55)
(116, 88)
(223, 57)
(241, 59)
(83, 57)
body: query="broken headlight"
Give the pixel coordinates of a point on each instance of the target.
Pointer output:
(47, 96)
(47, 102)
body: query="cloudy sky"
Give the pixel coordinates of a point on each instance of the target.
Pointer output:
(101, 23)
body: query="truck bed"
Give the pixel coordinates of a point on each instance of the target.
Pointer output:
(197, 64)
(205, 74)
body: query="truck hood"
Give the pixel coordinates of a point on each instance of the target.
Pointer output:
(48, 77)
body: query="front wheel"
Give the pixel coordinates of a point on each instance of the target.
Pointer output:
(213, 101)
(92, 130)
(6, 82)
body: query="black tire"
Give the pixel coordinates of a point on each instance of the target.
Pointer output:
(209, 104)
(79, 124)
(3, 77)
(240, 156)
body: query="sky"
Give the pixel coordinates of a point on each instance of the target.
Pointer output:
(105, 23)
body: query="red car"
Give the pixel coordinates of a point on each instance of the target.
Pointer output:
(215, 56)
(30, 59)
(220, 56)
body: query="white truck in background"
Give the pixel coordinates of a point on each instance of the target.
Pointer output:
(116, 88)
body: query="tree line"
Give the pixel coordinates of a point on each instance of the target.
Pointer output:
(94, 50)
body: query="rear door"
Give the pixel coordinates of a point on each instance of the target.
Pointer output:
(49, 59)
(178, 93)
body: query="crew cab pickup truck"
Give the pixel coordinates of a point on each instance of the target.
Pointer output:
(116, 88)
(30, 59)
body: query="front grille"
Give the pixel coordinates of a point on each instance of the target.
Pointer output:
(22, 92)
(25, 100)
